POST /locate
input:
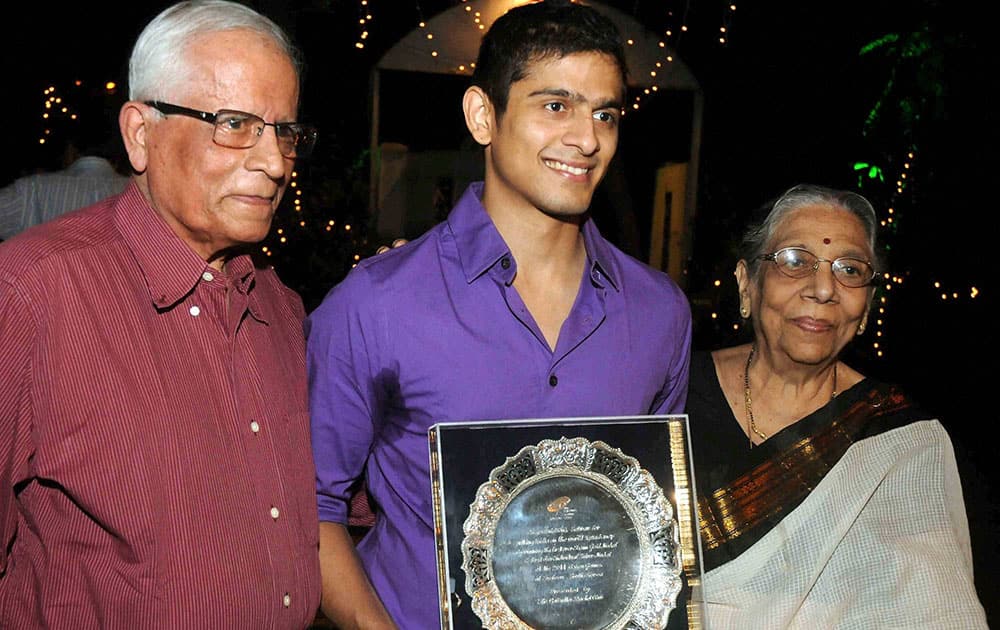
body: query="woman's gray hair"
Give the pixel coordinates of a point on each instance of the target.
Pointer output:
(758, 238)
(158, 63)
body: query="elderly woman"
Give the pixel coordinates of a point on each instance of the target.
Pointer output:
(826, 499)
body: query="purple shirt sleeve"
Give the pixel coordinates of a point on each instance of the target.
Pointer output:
(343, 364)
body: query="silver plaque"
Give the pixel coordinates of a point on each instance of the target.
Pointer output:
(571, 534)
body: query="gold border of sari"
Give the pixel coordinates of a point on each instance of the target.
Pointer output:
(778, 485)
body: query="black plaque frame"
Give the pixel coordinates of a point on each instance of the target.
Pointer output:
(463, 454)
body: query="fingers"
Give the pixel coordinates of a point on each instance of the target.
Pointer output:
(399, 242)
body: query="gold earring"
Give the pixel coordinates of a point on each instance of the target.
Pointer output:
(744, 312)
(861, 328)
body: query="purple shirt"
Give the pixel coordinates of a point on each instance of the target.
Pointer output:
(434, 331)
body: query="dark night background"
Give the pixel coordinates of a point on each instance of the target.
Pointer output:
(788, 99)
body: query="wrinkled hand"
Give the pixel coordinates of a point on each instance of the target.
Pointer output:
(399, 242)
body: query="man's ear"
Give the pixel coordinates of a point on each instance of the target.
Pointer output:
(133, 124)
(479, 116)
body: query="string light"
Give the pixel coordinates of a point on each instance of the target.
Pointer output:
(57, 108)
(658, 71)
(727, 24)
(364, 18)
(422, 24)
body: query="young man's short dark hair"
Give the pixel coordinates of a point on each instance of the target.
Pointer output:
(541, 30)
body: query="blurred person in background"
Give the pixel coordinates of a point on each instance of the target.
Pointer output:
(91, 170)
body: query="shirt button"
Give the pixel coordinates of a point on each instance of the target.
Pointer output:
(505, 263)
(195, 311)
(286, 600)
(553, 380)
(254, 426)
(275, 513)
(207, 276)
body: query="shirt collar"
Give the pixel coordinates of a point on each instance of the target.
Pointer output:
(242, 274)
(480, 245)
(170, 267)
(603, 264)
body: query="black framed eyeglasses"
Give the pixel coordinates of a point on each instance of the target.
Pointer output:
(796, 262)
(240, 130)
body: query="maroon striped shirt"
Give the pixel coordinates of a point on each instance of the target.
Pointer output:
(155, 467)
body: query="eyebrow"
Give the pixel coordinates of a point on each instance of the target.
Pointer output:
(576, 97)
(851, 252)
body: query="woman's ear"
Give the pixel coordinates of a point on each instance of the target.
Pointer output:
(742, 274)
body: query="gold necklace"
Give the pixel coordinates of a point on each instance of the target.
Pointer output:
(749, 404)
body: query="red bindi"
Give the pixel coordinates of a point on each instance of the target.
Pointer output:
(826, 241)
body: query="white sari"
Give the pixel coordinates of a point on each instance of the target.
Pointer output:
(881, 542)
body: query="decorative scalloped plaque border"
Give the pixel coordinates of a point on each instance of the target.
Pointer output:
(621, 476)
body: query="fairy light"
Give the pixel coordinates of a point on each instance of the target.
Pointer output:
(955, 294)
(365, 17)
(654, 74)
(429, 35)
(54, 109)
(727, 24)
(676, 26)
(873, 175)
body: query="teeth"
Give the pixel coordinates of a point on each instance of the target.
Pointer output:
(572, 170)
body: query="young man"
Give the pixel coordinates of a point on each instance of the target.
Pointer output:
(156, 470)
(514, 307)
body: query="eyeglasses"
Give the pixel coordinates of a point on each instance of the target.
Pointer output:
(796, 262)
(240, 130)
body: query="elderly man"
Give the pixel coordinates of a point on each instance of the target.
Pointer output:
(155, 469)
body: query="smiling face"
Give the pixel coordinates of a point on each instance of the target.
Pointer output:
(552, 145)
(809, 320)
(216, 197)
